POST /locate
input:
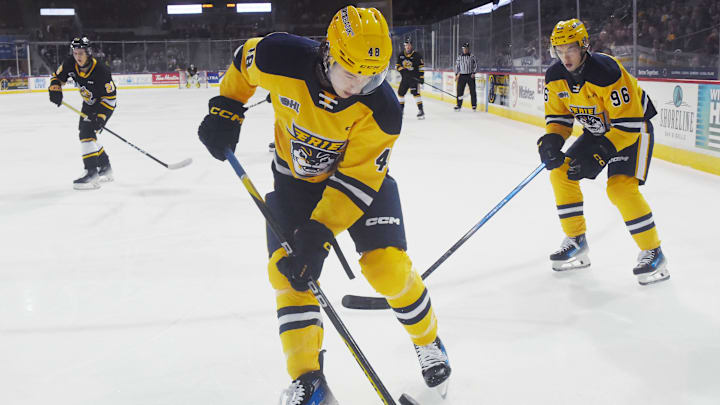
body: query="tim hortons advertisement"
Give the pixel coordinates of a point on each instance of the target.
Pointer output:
(677, 107)
(166, 78)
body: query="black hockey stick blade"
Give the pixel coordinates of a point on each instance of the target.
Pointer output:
(179, 165)
(406, 399)
(360, 302)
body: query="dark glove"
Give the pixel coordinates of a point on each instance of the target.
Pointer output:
(549, 147)
(56, 95)
(312, 244)
(268, 98)
(97, 121)
(220, 129)
(590, 164)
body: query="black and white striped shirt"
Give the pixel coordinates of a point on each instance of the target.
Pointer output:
(465, 64)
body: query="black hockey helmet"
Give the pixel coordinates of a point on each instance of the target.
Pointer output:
(466, 45)
(408, 40)
(81, 43)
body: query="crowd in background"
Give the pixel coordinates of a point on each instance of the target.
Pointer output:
(673, 33)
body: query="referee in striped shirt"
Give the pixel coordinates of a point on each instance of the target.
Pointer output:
(465, 74)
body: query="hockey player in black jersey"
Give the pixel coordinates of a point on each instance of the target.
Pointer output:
(97, 89)
(411, 67)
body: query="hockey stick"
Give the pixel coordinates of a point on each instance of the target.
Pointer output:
(171, 166)
(314, 288)
(362, 302)
(439, 89)
(259, 102)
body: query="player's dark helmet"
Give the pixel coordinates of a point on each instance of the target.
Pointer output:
(81, 43)
(408, 40)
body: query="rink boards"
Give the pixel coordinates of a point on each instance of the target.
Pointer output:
(687, 127)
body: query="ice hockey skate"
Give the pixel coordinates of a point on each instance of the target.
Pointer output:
(457, 108)
(105, 173)
(309, 389)
(573, 254)
(421, 115)
(89, 181)
(435, 365)
(651, 267)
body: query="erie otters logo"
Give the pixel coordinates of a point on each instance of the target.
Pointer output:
(592, 120)
(312, 154)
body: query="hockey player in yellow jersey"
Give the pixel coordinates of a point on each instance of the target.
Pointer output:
(615, 113)
(336, 121)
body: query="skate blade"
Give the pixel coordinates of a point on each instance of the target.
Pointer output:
(421, 118)
(86, 186)
(654, 277)
(573, 264)
(442, 389)
(106, 179)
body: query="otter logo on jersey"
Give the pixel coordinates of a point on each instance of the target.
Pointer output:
(592, 120)
(407, 64)
(87, 95)
(312, 154)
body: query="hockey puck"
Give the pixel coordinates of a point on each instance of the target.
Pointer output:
(406, 399)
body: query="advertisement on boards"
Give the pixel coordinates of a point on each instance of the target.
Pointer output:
(526, 94)
(708, 119)
(213, 77)
(166, 78)
(676, 104)
(13, 83)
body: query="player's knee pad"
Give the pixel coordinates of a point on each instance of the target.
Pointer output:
(622, 188)
(388, 270)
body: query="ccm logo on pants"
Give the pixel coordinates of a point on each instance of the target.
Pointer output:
(382, 221)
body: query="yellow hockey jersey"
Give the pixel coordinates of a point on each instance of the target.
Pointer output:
(606, 100)
(319, 136)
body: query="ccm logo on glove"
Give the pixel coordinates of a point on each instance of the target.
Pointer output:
(226, 114)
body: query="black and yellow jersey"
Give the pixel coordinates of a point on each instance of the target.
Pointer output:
(606, 100)
(319, 136)
(411, 66)
(96, 85)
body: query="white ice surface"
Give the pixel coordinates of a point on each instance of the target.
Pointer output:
(153, 289)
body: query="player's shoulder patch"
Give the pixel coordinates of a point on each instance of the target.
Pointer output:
(555, 72)
(602, 70)
(386, 109)
(282, 54)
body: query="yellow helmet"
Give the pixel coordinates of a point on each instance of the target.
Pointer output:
(570, 32)
(359, 40)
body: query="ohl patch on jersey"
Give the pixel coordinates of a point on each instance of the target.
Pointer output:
(312, 154)
(594, 122)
